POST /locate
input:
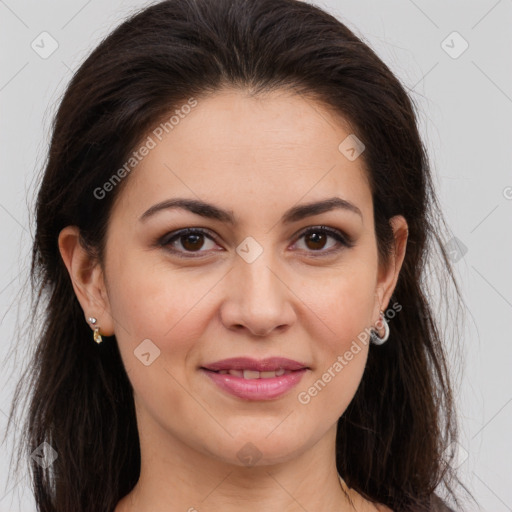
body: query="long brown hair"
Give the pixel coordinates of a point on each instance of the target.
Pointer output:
(393, 439)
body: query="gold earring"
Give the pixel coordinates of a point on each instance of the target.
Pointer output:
(97, 336)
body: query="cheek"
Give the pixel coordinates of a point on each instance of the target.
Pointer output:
(145, 297)
(344, 303)
(341, 354)
(168, 307)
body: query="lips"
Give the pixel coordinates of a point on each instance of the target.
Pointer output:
(250, 367)
(255, 379)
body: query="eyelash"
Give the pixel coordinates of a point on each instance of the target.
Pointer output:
(342, 239)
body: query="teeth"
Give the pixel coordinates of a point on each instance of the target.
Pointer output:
(253, 374)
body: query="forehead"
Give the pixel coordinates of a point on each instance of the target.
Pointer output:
(254, 151)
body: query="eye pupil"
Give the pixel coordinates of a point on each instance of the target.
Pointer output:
(195, 238)
(317, 239)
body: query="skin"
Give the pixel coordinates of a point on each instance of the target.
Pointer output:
(257, 157)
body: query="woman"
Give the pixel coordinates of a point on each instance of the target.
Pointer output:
(232, 229)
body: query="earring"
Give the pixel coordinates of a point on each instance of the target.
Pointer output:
(375, 338)
(97, 336)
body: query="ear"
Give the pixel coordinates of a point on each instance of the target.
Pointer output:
(388, 274)
(87, 278)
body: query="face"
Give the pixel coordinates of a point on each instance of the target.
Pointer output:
(264, 278)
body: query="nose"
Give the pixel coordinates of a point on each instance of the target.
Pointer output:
(257, 299)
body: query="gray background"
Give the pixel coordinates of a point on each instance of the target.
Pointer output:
(465, 104)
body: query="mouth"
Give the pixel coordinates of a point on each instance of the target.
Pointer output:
(254, 374)
(252, 379)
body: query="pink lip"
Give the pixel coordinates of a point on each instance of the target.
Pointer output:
(256, 389)
(262, 365)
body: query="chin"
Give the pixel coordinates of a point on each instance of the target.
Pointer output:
(258, 448)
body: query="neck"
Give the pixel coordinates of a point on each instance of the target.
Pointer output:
(178, 478)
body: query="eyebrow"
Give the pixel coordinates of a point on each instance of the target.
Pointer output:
(211, 211)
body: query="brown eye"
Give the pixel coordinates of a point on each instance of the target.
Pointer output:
(317, 238)
(192, 242)
(188, 241)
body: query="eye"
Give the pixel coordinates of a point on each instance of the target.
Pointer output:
(315, 240)
(187, 241)
(191, 240)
